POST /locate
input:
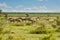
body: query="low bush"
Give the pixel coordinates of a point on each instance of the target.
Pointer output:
(43, 29)
(49, 38)
(58, 29)
(28, 23)
(58, 21)
(18, 24)
(54, 26)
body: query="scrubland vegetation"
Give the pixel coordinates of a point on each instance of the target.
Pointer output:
(46, 28)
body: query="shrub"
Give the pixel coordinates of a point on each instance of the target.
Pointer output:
(28, 23)
(0, 38)
(48, 38)
(54, 26)
(1, 27)
(18, 24)
(43, 29)
(10, 37)
(39, 30)
(58, 22)
(1, 30)
(58, 29)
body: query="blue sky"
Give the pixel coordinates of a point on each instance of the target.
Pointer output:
(30, 5)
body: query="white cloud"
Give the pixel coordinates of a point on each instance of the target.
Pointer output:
(25, 9)
(22, 8)
(33, 9)
(42, 0)
(3, 5)
(19, 6)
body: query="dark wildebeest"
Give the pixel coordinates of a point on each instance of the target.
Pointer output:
(28, 19)
(18, 19)
(11, 20)
(31, 20)
(47, 19)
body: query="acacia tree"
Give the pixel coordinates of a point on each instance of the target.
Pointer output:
(5, 16)
(27, 15)
(0, 11)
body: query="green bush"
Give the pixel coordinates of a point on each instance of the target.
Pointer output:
(17, 24)
(39, 30)
(43, 29)
(54, 26)
(1, 30)
(0, 38)
(49, 38)
(58, 29)
(10, 37)
(1, 27)
(28, 23)
(58, 22)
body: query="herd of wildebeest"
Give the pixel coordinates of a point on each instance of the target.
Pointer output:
(31, 19)
(52, 20)
(34, 19)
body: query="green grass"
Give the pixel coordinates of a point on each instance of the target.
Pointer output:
(22, 14)
(33, 15)
(21, 30)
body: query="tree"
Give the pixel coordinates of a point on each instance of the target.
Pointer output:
(0, 11)
(5, 16)
(27, 15)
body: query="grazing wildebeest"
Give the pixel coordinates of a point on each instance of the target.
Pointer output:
(28, 19)
(11, 20)
(31, 20)
(38, 18)
(18, 19)
(25, 19)
(47, 19)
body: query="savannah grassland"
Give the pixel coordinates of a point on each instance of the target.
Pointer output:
(40, 30)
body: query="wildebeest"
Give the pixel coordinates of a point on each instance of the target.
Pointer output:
(31, 20)
(11, 20)
(18, 19)
(22, 19)
(28, 19)
(47, 19)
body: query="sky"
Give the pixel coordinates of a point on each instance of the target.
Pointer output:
(30, 5)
